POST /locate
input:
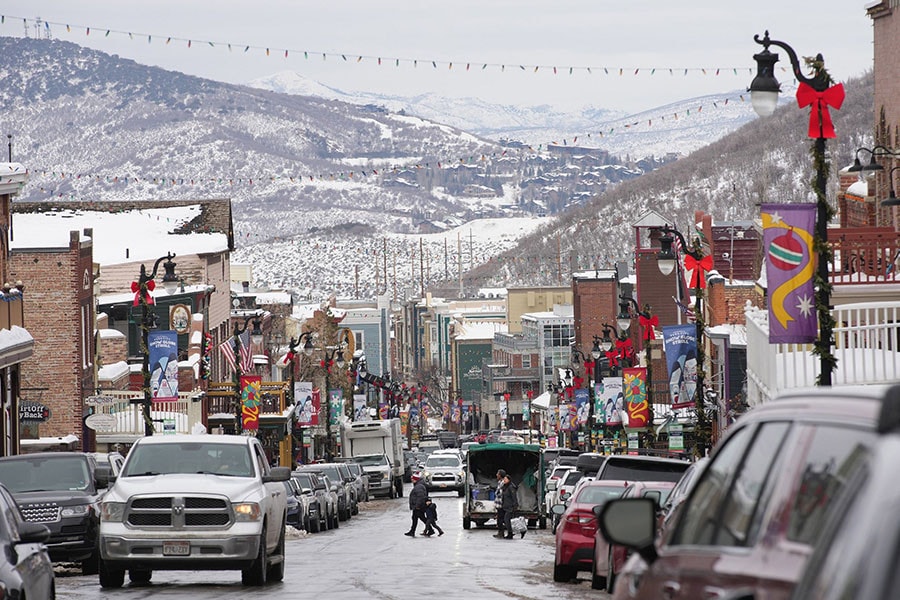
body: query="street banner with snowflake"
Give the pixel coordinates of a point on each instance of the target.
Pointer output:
(788, 231)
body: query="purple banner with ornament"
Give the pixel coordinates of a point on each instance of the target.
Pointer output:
(788, 231)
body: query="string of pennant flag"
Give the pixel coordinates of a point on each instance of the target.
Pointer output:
(396, 61)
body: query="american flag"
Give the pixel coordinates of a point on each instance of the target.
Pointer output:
(685, 310)
(227, 349)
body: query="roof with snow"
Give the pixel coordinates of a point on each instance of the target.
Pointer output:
(121, 232)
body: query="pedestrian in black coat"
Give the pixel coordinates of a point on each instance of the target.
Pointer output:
(417, 499)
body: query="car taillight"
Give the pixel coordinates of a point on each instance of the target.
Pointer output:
(581, 518)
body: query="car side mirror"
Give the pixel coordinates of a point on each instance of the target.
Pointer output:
(630, 522)
(101, 480)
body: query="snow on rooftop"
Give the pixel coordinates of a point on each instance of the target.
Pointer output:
(126, 236)
(480, 330)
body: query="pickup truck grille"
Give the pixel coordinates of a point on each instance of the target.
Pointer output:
(178, 512)
(47, 512)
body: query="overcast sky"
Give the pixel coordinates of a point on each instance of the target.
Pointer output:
(604, 35)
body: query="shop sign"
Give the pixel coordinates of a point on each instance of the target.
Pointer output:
(101, 422)
(34, 411)
(100, 400)
(676, 436)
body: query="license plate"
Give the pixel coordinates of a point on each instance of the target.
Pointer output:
(176, 548)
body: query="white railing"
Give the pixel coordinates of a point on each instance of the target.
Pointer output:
(178, 416)
(866, 340)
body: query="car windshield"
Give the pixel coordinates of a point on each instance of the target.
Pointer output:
(40, 473)
(442, 461)
(371, 460)
(573, 477)
(597, 494)
(303, 480)
(227, 460)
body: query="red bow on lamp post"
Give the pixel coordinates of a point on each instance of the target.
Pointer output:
(148, 297)
(699, 268)
(820, 124)
(625, 348)
(648, 324)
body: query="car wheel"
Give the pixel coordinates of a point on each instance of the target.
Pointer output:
(460, 493)
(355, 510)
(597, 582)
(255, 574)
(335, 521)
(276, 569)
(399, 488)
(393, 493)
(562, 573)
(542, 522)
(140, 576)
(610, 574)
(467, 523)
(90, 565)
(110, 577)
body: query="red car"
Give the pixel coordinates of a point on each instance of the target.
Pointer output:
(610, 558)
(578, 526)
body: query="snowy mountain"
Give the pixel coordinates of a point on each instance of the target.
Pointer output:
(679, 127)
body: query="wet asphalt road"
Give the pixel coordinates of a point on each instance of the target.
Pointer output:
(369, 557)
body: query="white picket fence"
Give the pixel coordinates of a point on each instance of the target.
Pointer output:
(867, 348)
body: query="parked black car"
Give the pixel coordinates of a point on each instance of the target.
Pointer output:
(323, 512)
(25, 567)
(61, 490)
(339, 486)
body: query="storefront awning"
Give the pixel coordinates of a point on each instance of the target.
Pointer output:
(16, 345)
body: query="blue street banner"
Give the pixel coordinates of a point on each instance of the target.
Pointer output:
(582, 404)
(163, 346)
(526, 410)
(680, 344)
(788, 231)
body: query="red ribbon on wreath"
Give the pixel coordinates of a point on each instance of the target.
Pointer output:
(820, 125)
(136, 288)
(648, 324)
(699, 269)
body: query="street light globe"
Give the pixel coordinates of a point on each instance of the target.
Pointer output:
(763, 102)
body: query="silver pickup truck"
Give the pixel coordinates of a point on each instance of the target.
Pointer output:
(194, 502)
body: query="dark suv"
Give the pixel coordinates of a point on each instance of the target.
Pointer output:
(61, 490)
(759, 507)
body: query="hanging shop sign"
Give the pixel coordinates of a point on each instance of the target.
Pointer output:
(34, 411)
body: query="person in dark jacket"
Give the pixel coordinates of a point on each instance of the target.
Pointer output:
(507, 505)
(431, 519)
(417, 500)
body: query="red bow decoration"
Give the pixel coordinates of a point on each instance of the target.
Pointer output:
(698, 268)
(577, 382)
(613, 358)
(136, 288)
(289, 358)
(648, 324)
(625, 348)
(820, 125)
(589, 366)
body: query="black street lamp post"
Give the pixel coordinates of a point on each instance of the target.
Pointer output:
(293, 345)
(559, 388)
(333, 355)
(143, 287)
(819, 92)
(256, 338)
(699, 264)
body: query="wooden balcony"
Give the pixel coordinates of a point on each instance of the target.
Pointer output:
(864, 255)
(221, 398)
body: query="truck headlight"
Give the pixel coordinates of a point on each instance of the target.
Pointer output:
(79, 510)
(112, 512)
(246, 512)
